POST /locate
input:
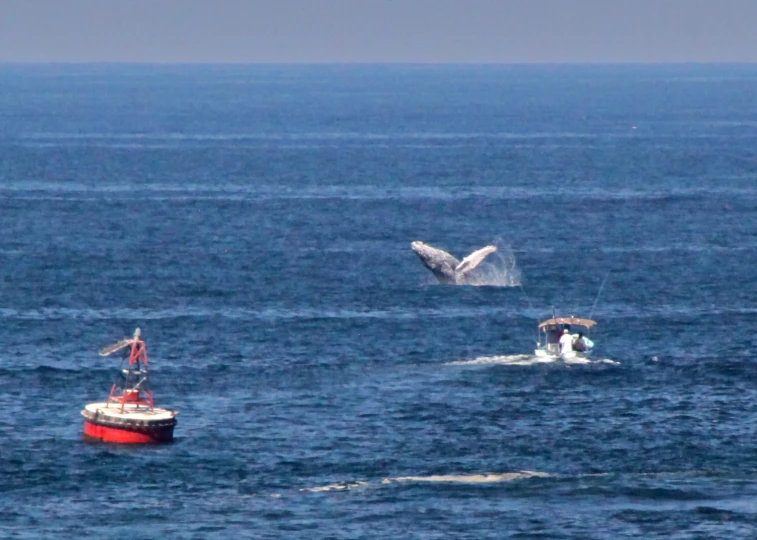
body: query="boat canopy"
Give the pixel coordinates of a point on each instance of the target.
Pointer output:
(588, 323)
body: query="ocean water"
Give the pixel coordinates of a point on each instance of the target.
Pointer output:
(255, 222)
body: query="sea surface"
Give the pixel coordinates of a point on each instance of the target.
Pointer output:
(255, 223)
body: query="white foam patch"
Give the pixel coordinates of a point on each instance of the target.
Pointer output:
(341, 486)
(527, 360)
(486, 478)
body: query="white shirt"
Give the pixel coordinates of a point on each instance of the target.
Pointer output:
(566, 343)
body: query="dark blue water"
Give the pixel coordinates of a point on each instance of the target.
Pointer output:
(255, 223)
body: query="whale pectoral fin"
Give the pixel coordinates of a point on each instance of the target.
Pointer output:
(474, 259)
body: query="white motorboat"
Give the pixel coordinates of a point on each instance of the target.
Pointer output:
(550, 332)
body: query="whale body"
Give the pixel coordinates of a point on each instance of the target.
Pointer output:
(447, 269)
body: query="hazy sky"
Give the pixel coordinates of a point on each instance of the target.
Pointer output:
(378, 31)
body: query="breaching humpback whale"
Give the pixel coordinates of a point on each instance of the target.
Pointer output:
(447, 269)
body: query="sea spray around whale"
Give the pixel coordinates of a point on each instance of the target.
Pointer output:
(500, 269)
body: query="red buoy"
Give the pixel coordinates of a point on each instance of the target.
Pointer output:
(129, 416)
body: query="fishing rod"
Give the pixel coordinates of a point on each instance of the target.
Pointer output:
(530, 305)
(598, 293)
(523, 290)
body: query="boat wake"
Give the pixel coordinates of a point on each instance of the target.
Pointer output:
(487, 478)
(528, 360)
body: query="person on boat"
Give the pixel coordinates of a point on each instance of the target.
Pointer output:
(581, 343)
(566, 342)
(578, 343)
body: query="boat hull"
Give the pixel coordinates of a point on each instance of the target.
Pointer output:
(131, 426)
(99, 433)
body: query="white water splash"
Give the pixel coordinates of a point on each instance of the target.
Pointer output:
(486, 478)
(500, 269)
